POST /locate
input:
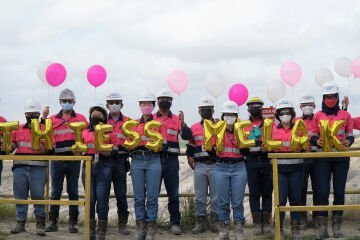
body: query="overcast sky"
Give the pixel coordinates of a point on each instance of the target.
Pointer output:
(140, 42)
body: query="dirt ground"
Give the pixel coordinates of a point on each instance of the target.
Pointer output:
(350, 228)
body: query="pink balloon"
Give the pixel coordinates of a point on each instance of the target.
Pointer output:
(177, 81)
(355, 67)
(96, 75)
(55, 74)
(238, 93)
(290, 73)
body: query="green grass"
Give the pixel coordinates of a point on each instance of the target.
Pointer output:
(7, 211)
(3, 236)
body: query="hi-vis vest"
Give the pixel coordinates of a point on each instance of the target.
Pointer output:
(196, 143)
(117, 136)
(22, 139)
(63, 134)
(170, 129)
(231, 149)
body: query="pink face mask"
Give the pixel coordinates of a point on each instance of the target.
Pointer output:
(146, 109)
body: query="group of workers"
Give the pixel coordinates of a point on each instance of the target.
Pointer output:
(224, 175)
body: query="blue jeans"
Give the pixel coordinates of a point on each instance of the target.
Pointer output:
(33, 179)
(260, 184)
(99, 189)
(204, 179)
(230, 180)
(146, 178)
(58, 170)
(170, 174)
(118, 168)
(337, 168)
(290, 184)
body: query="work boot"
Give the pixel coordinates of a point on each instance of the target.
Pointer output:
(52, 226)
(322, 228)
(200, 225)
(214, 222)
(239, 231)
(266, 216)
(223, 231)
(40, 225)
(295, 230)
(336, 225)
(102, 229)
(73, 222)
(92, 229)
(19, 227)
(122, 225)
(175, 229)
(140, 230)
(257, 221)
(150, 230)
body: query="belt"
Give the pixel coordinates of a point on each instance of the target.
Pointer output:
(207, 161)
(230, 161)
(143, 153)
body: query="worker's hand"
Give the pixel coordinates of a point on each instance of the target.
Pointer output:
(263, 148)
(182, 118)
(191, 162)
(345, 143)
(319, 142)
(45, 112)
(345, 102)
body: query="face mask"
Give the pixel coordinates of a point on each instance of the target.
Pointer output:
(330, 103)
(115, 108)
(285, 118)
(230, 120)
(67, 106)
(206, 113)
(146, 109)
(255, 112)
(96, 120)
(164, 105)
(29, 118)
(307, 110)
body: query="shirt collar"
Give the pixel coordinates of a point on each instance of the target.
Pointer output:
(158, 114)
(142, 120)
(120, 118)
(60, 114)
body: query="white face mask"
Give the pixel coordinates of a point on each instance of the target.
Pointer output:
(115, 108)
(230, 120)
(307, 110)
(285, 118)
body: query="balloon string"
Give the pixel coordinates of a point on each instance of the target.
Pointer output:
(95, 95)
(349, 80)
(180, 102)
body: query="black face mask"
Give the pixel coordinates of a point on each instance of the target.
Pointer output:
(164, 105)
(29, 118)
(255, 112)
(95, 121)
(206, 113)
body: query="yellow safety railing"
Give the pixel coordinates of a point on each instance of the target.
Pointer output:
(278, 209)
(47, 201)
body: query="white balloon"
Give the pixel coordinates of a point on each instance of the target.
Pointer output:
(323, 75)
(215, 85)
(342, 67)
(276, 90)
(41, 70)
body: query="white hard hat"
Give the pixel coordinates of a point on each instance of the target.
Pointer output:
(147, 96)
(164, 93)
(230, 107)
(284, 103)
(329, 88)
(32, 106)
(98, 105)
(307, 99)
(114, 96)
(206, 102)
(67, 94)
